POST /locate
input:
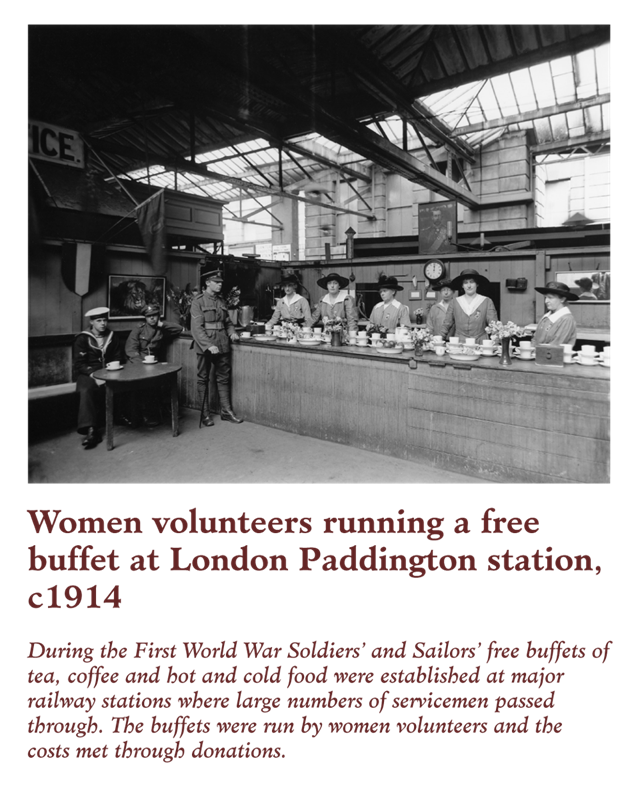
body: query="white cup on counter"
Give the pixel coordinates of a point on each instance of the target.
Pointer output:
(588, 351)
(353, 333)
(114, 364)
(525, 345)
(245, 334)
(439, 350)
(567, 349)
(454, 340)
(487, 343)
(317, 330)
(470, 341)
(606, 355)
(149, 358)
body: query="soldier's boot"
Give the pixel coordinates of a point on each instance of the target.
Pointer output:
(92, 438)
(226, 411)
(203, 399)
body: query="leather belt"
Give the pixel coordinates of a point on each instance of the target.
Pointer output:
(213, 325)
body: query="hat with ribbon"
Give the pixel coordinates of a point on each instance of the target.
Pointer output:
(558, 289)
(442, 284)
(389, 282)
(343, 282)
(469, 274)
(289, 280)
(97, 313)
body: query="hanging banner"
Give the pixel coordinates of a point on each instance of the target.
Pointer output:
(150, 219)
(55, 144)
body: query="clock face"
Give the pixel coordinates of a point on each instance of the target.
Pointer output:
(434, 270)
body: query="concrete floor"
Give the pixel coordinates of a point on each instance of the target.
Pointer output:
(226, 453)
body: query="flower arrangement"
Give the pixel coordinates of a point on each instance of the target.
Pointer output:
(232, 298)
(498, 331)
(289, 330)
(181, 300)
(419, 312)
(420, 338)
(376, 328)
(333, 325)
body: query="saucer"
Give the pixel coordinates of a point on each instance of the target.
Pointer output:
(119, 368)
(309, 341)
(146, 362)
(606, 365)
(589, 365)
(389, 349)
(491, 353)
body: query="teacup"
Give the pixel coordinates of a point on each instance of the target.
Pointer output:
(115, 364)
(362, 333)
(487, 344)
(245, 334)
(587, 359)
(391, 337)
(525, 345)
(525, 354)
(362, 342)
(269, 330)
(454, 341)
(439, 350)
(375, 336)
(437, 339)
(353, 333)
(149, 358)
(317, 330)
(470, 341)
(589, 351)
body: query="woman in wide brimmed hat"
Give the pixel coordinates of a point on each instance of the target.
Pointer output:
(336, 303)
(293, 306)
(468, 314)
(389, 313)
(435, 317)
(557, 326)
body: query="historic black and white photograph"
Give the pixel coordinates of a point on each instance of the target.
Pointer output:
(319, 253)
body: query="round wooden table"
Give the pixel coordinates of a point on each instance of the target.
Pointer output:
(139, 376)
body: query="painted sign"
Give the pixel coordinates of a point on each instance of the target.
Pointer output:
(55, 144)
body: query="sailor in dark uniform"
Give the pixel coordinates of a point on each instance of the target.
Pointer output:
(213, 332)
(92, 350)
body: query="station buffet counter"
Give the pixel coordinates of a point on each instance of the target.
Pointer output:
(517, 424)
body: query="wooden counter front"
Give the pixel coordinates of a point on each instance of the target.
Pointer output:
(522, 423)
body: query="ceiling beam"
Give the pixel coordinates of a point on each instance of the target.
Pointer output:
(185, 166)
(384, 85)
(532, 115)
(558, 146)
(601, 35)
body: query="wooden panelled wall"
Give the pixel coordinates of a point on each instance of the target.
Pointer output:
(523, 307)
(56, 314)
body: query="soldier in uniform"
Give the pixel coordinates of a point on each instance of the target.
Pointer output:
(92, 350)
(213, 332)
(151, 337)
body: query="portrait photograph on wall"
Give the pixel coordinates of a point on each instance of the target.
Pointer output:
(130, 294)
(437, 227)
(588, 286)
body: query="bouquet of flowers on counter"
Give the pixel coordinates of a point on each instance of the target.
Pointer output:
(377, 328)
(334, 325)
(289, 330)
(498, 331)
(420, 337)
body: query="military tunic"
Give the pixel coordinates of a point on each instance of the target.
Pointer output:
(211, 326)
(145, 339)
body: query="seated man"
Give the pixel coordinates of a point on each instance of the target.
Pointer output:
(92, 350)
(151, 337)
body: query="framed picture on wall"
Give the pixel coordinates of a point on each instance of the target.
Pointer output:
(588, 286)
(437, 227)
(130, 294)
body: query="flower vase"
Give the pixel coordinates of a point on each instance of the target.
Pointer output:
(233, 315)
(336, 337)
(418, 350)
(505, 358)
(418, 321)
